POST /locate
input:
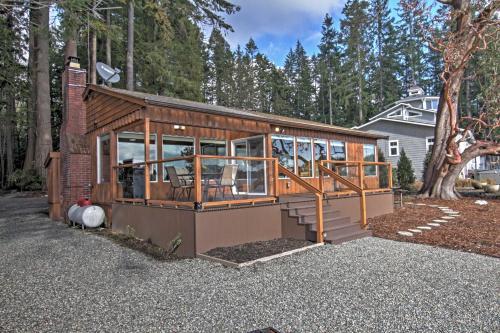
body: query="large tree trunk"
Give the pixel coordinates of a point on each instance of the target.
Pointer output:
(130, 46)
(42, 86)
(29, 157)
(446, 160)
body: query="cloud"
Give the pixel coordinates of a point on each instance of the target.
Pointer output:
(297, 19)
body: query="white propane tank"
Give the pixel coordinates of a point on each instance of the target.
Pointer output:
(89, 216)
(71, 211)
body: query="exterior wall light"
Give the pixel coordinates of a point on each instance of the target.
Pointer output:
(179, 127)
(278, 130)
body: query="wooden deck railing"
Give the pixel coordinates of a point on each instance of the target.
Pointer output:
(318, 197)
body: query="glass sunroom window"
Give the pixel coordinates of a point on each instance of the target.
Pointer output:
(304, 157)
(131, 150)
(103, 158)
(369, 156)
(173, 146)
(338, 153)
(320, 153)
(213, 148)
(284, 151)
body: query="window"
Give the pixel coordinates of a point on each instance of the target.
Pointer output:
(369, 156)
(174, 146)
(304, 157)
(431, 104)
(283, 149)
(131, 150)
(393, 148)
(338, 153)
(320, 153)
(103, 159)
(429, 142)
(214, 148)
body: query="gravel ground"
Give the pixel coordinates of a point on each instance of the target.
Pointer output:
(54, 278)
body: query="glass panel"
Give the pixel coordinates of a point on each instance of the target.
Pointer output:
(369, 156)
(251, 175)
(283, 150)
(304, 157)
(338, 153)
(103, 167)
(131, 150)
(177, 147)
(213, 148)
(320, 153)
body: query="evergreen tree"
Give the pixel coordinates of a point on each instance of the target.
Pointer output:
(239, 94)
(219, 66)
(250, 76)
(386, 69)
(327, 71)
(406, 175)
(355, 40)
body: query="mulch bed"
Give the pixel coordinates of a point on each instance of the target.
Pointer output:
(133, 243)
(256, 250)
(476, 230)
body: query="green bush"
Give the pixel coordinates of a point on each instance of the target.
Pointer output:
(406, 175)
(25, 180)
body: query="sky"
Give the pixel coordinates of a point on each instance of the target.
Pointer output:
(276, 25)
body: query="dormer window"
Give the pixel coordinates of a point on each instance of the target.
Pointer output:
(431, 104)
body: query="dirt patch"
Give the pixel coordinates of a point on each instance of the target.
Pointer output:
(477, 229)
(140, 245)
(256, 250)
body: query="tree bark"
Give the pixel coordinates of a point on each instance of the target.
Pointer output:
(42, 86)
(130, 46)
(29, 157)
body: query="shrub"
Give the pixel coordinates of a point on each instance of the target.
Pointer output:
(426, 162)
(406, 175)
(463, 182)
(23, 180)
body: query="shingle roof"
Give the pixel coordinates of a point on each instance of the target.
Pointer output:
(217, 109)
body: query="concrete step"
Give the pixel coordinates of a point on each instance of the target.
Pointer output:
(336, 237)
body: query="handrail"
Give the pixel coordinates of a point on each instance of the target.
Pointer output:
(319, 199)
(357, 189)
(365, 163)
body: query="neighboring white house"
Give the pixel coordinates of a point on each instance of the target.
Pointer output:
(409, 123)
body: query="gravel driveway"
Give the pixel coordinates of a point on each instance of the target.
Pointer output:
(54, 278)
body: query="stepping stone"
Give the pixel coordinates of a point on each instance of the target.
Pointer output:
(421, 204)
(424, 227)
(440, 221)
(405, 233)
(433, 206)
(434, 224)
(409, 203)
(442, 207)
(455, 215)
(415, 230)
(447, 217)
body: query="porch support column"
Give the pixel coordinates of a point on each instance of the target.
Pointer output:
(113, 159)
(147, 184)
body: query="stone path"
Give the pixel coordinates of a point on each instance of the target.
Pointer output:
(451, 214)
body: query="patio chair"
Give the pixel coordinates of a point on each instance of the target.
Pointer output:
(226, 180)
(177, 183)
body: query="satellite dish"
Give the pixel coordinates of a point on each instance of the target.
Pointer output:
(108, 74)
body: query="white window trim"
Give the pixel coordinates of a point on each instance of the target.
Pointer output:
(288, 137)
(397, 147)
(176, 137)
(427, 143)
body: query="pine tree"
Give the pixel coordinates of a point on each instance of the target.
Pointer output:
(219, 64)
(327, 70)
(355, 41)
(406, 175)
(386, 69)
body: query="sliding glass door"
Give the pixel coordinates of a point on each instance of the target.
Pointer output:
(251, 176)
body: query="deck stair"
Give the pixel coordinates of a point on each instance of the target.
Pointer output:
(338, 228)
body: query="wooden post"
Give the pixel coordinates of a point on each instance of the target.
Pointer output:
(389, 174)
(147, 183)
(361, 173)
(276, 177)
(113, 162)
(319, 218)
(197, 180)
(362, 201)
(320, 177)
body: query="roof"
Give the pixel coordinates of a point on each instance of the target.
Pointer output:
(150, 99)
(427, 124)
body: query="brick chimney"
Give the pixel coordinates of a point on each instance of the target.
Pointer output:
(75, 153)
